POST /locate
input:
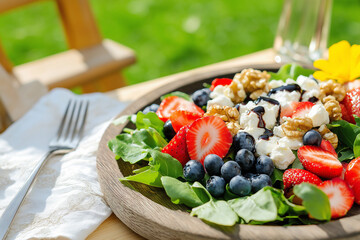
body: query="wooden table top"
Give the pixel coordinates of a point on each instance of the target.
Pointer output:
(112, 228)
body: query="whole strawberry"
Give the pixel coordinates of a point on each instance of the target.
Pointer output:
(352, 177)
(295, 176)
(352, 103)
(177, 146)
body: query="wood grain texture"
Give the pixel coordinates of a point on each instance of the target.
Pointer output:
(150, 213)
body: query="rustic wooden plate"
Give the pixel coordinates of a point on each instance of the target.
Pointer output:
(149, 212)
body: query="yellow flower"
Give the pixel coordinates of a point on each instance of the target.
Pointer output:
(343, 64)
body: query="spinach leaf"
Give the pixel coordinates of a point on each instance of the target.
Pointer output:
(129, 152)
(356, 146)
(123, 119)
(150, 119)
(277, 176)
(345, 131)
(165, 164)
(201, 192)
(357, 120)
(217, 212)
(149, 177)
(259, 207)
(228, 194)
(345, 154)
(315, 201)
(178, 94)
(182, 192)
(290, 71)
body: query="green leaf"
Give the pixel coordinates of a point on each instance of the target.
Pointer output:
(206, 85)
(356, 147)
(357, 120)
(201, 192)
(258, 207)
(315, 201)
(292, 71)
(181, 192)
(277, 176)
(217, 212)
(228, 194)
(150, 119)
(149, 177)
(178, 94)
(165, 164)
(345, 131)
(346, 154)
(131, 153)
(122, 119)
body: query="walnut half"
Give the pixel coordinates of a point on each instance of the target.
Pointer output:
(296, 127)
(255, 82)
(332, 106)
(228, 114)
(328, 135)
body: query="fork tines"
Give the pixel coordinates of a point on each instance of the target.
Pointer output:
(73, 121)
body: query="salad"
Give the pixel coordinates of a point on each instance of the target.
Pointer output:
(262, 148)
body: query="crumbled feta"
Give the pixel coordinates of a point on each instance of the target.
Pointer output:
(271, 113)
(265, 147)
(219, 98)
(285, 97)
(276, 83)
(282, 157)
(278, 131)
(311, 87)
(318, 115)
(292, 143)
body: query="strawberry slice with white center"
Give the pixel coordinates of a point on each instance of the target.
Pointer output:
(302, 109)
(340, 196)
(319, 161)
(208, 135)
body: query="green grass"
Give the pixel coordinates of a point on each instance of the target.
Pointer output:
(167, 36)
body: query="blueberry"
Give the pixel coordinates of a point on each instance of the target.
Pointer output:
(201, 97)
(216, 186)
(168, 130)
(213, 164)
(312, 137)
(193, 171)
(259, 181)
(240, 186)
(243, 140)
(245, 159)
(229, 170)
(152, 108)
(264, 165)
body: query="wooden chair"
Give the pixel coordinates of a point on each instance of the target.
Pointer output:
(92, 63)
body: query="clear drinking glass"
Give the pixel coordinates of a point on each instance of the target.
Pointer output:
(303, 31)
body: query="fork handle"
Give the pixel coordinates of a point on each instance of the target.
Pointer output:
(11, 210)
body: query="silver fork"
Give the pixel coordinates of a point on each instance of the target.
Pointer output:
(67, 138)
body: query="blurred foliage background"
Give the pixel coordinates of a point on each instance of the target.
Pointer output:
(167, 36)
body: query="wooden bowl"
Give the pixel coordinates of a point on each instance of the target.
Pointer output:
(149, 212)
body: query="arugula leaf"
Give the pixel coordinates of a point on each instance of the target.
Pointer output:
(150, 119)
(217, 212)
(315, 201)
(182, 192)
(259, 207)
(290, 71)
(345, 131)
(178, 94)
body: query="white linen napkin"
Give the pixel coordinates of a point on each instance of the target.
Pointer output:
(65, 201)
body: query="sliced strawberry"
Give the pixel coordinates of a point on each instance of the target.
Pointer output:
(344, 165)
(208, 135)
(346, 114)
(181, 118)
(289, 110)
(356, 191)
(177, 146)
(340, 196)
(319, 161)
(352, 102)
(302, 109)
(293, 176)
(220, 81)
(352, 173)
(326, 145)
(173, 103)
